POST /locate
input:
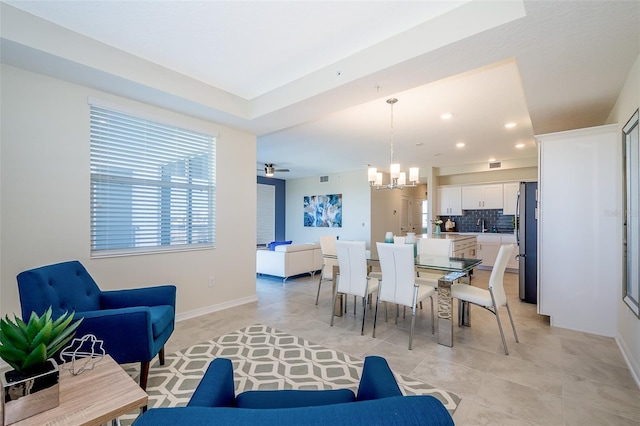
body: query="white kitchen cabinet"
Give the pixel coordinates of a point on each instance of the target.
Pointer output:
(488, 247)
(449, 201)
(580, 264)
(465, 248)
(477, 197)
(513, 262)
(510, 191)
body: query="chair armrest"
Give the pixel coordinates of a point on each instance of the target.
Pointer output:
(146, 296)
(126, 333)
(216, 389)
(377, 380)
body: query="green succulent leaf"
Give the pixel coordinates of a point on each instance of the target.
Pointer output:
(63, 338)
(61, 319)
(43, 336)
(61, 323)
(33, 326)
(37, 357)
(9, 353)
(11, 332)
(22, 325)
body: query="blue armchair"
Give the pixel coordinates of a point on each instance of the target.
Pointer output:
(134, 324)
(378, 401)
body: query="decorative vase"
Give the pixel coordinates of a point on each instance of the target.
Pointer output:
(437, 230)
(24, 396)
(411, 239)
(388, 237)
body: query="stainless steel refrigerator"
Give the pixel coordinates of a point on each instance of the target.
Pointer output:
(527, 238)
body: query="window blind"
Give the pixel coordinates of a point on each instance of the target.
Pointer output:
(152, 185)
(266, 214)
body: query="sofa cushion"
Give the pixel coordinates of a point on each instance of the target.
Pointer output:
(274, 244)
(293, 398)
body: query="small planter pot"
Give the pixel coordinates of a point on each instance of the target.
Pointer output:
(24, 396)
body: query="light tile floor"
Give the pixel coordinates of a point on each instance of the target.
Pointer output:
(552, 377)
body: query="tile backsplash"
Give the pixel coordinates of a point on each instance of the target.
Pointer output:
(495, 221)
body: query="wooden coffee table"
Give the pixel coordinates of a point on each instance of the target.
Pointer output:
(94, 397)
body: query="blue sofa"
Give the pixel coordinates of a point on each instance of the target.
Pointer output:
(378, 401)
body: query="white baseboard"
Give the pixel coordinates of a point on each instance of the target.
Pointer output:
(215, 308)
(634, 368)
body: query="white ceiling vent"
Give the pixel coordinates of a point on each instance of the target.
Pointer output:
(495, 165)
(324, 179)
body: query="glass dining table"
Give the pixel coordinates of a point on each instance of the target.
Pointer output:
(452, 268)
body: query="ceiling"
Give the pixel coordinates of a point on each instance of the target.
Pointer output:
(310, 78)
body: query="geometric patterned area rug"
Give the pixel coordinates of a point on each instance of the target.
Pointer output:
(265, 358)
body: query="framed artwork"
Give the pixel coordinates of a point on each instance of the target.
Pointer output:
(323, 211)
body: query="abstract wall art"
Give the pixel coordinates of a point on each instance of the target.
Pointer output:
(323, 211)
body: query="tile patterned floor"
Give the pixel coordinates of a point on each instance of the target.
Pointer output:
(552, 377)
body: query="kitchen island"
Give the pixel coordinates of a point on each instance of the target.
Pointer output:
(463, 245)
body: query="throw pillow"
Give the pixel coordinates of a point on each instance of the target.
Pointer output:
(273, 244)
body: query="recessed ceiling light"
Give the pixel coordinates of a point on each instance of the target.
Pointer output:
(460, 144)
(492, 159)
(419, 143)
(510, 125)
(446, 116)
(520, 145)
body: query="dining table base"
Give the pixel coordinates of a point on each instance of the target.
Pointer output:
(445, 308)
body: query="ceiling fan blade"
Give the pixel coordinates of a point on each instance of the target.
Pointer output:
(280, 170)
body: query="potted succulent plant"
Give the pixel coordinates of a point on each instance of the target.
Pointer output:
(32, 386)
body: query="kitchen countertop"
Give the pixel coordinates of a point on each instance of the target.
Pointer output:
(449, 236)
(477, 233)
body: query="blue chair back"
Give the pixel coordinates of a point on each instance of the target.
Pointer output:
(65, 286)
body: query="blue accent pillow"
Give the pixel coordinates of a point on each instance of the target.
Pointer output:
(273, 244)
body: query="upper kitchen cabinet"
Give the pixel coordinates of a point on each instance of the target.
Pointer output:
(510, 197)
(476, 197)
(449, 201)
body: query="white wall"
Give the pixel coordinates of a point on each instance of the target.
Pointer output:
(44, 208)
(628, 324)
(356, 207)
(579, 269)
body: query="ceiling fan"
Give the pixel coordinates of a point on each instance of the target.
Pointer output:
(269, 169)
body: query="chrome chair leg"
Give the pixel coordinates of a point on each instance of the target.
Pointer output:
(413, 323)
(364, 313)
(433, 319)
(497, 314)
(375, 315)
(512, 324)
(319, 284)
(333, 306)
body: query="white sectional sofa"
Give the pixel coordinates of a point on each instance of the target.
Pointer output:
(288, 260)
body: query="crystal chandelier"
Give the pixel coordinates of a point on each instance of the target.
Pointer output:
(398, 178)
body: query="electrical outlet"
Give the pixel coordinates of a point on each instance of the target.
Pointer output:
(212, 281)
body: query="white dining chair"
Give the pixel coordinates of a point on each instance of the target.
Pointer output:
(491, 299)
(433, 247)
(327, 246)
(398, 239)
(353, 278)
(398, 283)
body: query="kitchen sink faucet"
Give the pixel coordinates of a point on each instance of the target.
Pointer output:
(483, 225)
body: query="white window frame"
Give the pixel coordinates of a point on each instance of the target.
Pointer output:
(152, 185)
